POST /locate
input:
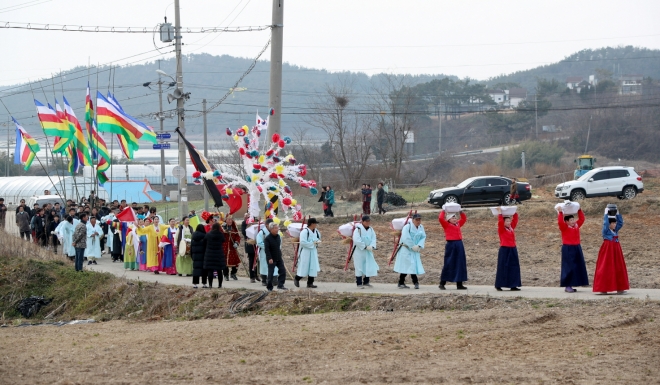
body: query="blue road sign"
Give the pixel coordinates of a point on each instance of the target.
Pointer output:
(161, 146)
(165, 135)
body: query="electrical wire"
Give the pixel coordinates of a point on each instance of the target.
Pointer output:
(108, 29)
(254, 63)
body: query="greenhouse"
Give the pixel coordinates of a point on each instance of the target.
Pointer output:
(13, 189)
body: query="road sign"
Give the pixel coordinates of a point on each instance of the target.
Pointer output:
(178, 172)
(161, 146)
(164, 135)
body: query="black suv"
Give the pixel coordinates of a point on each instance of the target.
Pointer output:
(480, 190)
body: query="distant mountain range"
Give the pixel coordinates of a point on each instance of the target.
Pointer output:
(211, 77)
(619, 61)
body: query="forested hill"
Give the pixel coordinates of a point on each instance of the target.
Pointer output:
(210, 77)
(619, 60)
(205, 77)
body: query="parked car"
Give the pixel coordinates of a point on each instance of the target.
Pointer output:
(618, 181)
(43, 199)
(480, 190)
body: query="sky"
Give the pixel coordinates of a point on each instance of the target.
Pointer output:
(466, 38)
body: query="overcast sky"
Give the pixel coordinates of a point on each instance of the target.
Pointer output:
(478, 39)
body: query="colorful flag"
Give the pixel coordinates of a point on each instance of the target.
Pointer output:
(111, 118)
(202, 165)
(74, 166)
(52, 125)
(125, 148)
(81, 144)
(148, 132)
(26, 147)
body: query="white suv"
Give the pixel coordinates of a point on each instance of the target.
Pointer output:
(621, 182)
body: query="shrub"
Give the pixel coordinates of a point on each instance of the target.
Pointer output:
(535, 153)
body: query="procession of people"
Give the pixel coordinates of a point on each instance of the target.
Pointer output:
(212, 252)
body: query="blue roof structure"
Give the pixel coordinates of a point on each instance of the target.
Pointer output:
(132, 191)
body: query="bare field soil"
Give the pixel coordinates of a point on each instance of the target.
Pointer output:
(614, 341)
(539, 246)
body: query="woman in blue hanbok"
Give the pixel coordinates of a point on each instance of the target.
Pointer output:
(308, 256)
(408, 258)
(263, 264)
(364, 243)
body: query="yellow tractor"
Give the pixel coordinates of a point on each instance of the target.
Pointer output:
(585, 163)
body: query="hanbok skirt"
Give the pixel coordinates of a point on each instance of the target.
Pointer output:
(611, 273)
(573, 267)
(455, 267)
(184, 265)
(508, 268)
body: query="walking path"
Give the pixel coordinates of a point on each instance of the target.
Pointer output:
(105, 265)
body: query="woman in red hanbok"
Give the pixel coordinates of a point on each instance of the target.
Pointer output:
(230, 247)
(611, 273)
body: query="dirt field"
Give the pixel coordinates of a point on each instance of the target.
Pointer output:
(614, 341)
(539, 246)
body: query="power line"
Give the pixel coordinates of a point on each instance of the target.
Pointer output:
(109, 29)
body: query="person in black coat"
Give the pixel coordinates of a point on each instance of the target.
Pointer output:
(214, 258)
(197, 250)
(273, 249)
(249, 250)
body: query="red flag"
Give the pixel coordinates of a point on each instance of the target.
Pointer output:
(127, 215)
(234, 201)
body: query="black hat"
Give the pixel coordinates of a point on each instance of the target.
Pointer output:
(311, 221)
(417, 216)
(366, 218)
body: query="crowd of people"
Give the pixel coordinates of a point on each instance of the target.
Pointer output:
(210, 251)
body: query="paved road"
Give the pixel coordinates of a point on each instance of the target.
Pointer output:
(106, 265)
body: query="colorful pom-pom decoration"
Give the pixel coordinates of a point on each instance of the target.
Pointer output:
(255, 171)
(241, 151)
(197, 182)
(196, 174)
(269, 152)
(276, 159)
(276, 137)
(240, 133)
(313, 190)
(287, 201)
(276, 220)
(256, 166)
(271, 112)
(281, 143)
(229, 133)
(287, 140)
(287, 223)
(264, 168)
(216, 174)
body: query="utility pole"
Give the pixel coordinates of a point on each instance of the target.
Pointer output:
(586, 146)
(206, 153)
(522, 157)
(439, 130)
(7, 162)
(160, 120)
(183, 184)
(536, 112)
(276, 44)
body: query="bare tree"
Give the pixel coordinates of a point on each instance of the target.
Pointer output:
(347, 130)
(398, 106)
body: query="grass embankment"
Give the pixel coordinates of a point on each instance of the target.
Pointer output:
(105, 297)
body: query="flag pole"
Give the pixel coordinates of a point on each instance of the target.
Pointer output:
(75, 148)
(61, 179)
(35, 154)
(91, 137)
